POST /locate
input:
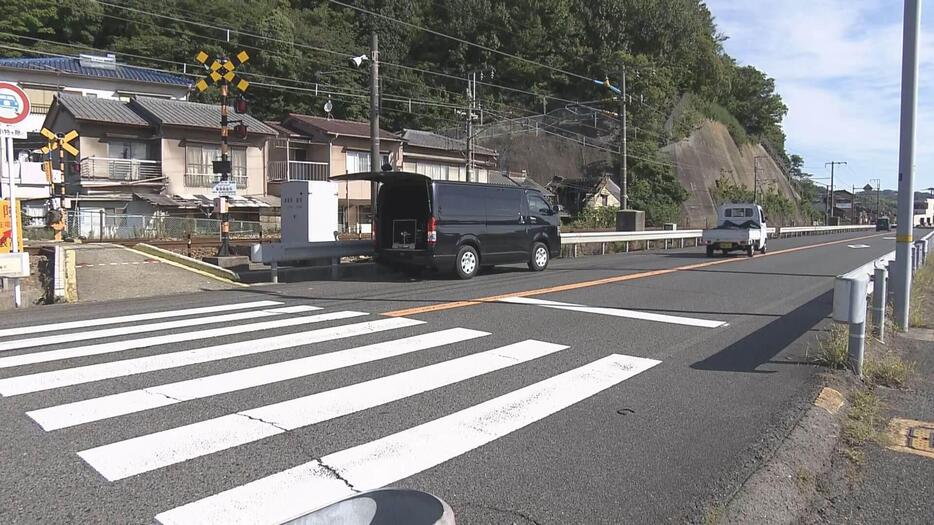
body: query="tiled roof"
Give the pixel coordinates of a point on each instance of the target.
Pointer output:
(427, 139)
(192, 114)
(73, 66)
(302, 123)
(100, 110)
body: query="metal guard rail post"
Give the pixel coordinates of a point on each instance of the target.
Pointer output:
(851, 290)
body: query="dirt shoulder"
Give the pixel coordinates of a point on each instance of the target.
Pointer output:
(864, 453)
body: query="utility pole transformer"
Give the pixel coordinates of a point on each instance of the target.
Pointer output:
(906, 160)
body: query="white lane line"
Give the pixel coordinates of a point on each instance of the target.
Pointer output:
(152, 451)
(617, 312)
(132, 344)
(857, 246)
(296, 491)
(101, 321)
(96, 409)
(12, 386)
(33, 342)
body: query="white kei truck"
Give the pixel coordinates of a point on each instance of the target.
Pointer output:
(741, 227)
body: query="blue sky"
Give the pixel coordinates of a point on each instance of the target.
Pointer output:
(837, 64)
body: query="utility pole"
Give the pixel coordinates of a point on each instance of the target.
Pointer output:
(755, 182)
(878, 184)
(906, 161)
(623, 168)
(471, 96)
(375, 158)
(832, 164)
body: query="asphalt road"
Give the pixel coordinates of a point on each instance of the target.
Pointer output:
(710, 371)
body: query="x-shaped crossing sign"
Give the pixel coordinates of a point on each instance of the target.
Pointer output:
(222, 69)
(59, 140)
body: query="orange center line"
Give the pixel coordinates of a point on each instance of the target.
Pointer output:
(608, 280)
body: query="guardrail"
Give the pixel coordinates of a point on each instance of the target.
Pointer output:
(276, 253)
(871, 279)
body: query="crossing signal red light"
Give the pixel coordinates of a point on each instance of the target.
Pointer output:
(240, 130)
(240, 105)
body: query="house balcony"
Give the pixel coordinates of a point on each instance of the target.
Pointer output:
(103, 171)
(293, 170)
(203, 178)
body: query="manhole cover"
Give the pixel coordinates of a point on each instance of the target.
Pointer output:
(912, 436)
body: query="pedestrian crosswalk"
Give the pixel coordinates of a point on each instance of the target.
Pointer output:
(61, 349)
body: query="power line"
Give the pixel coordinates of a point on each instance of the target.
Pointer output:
(326, 50)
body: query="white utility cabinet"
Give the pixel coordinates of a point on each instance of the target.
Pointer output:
(309, 211)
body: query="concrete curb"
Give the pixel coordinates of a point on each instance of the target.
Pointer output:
(781, 490)
(188, 262)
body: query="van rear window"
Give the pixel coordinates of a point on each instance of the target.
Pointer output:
(738, 212)
(460, 202)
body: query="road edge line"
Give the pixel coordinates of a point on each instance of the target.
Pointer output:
(186, 263)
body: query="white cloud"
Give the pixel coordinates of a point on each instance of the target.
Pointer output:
(837, 64)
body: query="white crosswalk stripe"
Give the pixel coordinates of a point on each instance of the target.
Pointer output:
(132, 344)
(149, 316)
(133, 456)
(315, 484)
(96, 409)
(33, 342)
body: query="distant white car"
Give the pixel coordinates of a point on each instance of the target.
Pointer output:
(741, 227)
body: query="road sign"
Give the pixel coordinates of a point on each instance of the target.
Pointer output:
(14, 265)
(6, 229)
(59, 140)
(222, 69)
(224, 188)
(14, 104)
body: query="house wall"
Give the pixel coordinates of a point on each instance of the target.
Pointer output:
(596, 200)
(358, 190)
(173, 146)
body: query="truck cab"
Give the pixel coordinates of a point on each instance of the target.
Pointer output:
(740, 227)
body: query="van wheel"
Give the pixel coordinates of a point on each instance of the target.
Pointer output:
(764, 249)
(467, 262)
(710, 251)
(538, 259)
(750, 251)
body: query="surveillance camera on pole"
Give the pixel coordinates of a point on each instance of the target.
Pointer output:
(358, 61)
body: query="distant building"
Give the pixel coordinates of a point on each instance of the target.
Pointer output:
(445, 158)
(90, 75)
(924, 212)
(316, 148)
(154, 156)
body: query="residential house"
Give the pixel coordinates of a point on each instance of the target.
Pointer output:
(90, 75)
(316, 148)
(445, 158)
(923, 212)
(151, 156)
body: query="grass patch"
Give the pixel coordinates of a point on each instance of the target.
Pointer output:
(864, 424)
(922, 290)
(891, 371)
(832, 348)
(713, 515)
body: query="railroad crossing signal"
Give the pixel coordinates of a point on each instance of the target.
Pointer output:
(59, 140)
(222, 68)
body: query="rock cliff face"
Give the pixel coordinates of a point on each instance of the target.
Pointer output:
(710, 154)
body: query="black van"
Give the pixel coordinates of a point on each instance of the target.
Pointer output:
(459, 226)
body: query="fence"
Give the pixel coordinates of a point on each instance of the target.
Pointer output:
(95, 225)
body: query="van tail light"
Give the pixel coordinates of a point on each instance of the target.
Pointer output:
(431, 233)
(375, 232)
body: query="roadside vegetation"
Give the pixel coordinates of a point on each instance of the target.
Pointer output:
(864, 424)
(922, 297)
